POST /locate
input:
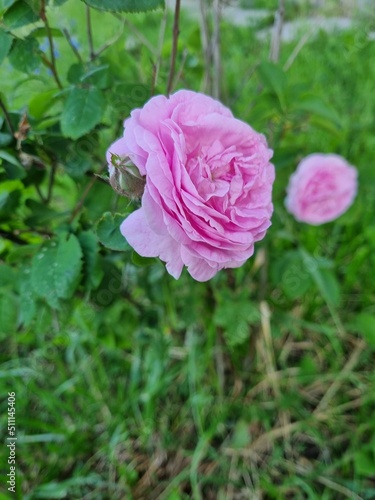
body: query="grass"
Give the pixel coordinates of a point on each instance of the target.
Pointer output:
(256, 385)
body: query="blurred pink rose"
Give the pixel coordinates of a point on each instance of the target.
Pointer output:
(207, 195)
(322, 188)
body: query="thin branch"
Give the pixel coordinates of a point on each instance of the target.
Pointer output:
(89, 33)
(12, 237)
(157, 65)
(277, 32)
(52, 64)
(50, 183)
(216, 49)
(85, 193)
(206, 46)
(6, 116)
(297, 49)
(110, 42)
(185, 53)
(176, 31)
(71, 44)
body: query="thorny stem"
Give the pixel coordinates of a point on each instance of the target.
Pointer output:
(89, 33)
(176, 32)
(52, 63)
(7, 117)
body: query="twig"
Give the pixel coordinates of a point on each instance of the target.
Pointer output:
(216, 49)
(12, 237)
(297, 49)
(277, 31)
(156, 68)
(52, 64)
(206, 46)
(176, 32)
(72, 46)
(110, 42)
(6, 116)
(185, 53)
(335, 386)
(85, 193)
(89, 33)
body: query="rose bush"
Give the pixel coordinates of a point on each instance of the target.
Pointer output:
(322, 188)
(208, 184)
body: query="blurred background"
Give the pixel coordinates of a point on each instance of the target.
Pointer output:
(258, 384)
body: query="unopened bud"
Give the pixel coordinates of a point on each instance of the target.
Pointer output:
(125, 178)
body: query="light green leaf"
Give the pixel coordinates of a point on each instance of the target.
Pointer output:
(365, 324)
(83, 109)
(41, 103)
(126, 5)
(274, 79)
(24, 55)
(5, 44)
(20, 14)
(140, 261)
(108, 232)
(324, 279)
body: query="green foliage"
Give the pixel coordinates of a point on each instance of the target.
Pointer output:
(24, 55)
(83, 109)
(108, 232)
(5, 44)
(126, 5)
(19, 14)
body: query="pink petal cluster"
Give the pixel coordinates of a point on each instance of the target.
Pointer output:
(207, 196)
(322, 188)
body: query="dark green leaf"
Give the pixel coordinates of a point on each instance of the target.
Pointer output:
(5, 4)
(126, 5)
(83, 109)
(274, 79)
(5, 139)
(27, 298)
(24, 55)
(8, 314)
(68, 265)
(20, 14)
(5, 44)
(93, 272)
(108, 232)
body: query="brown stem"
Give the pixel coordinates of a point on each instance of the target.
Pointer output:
(216, 49)
(85, 193)
(6, 116)
(89, 33)
(52, 64)
(71, 44)
(176, 31)
(12, 237)
(277, 32)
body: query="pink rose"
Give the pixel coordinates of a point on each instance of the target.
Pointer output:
(322, 188)
(208, 184)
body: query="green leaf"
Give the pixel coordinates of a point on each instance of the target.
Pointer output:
(126, 5)
(27, 298)
(108, 232)
(290, 272)
(140, 261)
(8, 314)
(83, 109)
(235, 313)
(68, 266)
(365, 324)
(56, 269)
(24, 55)
(364, 463)
(93, 271)
(5, 44)
(42, 102)
(20, 14)
(274, 79)
(5, 4)
(324, 279)
(319, 108)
